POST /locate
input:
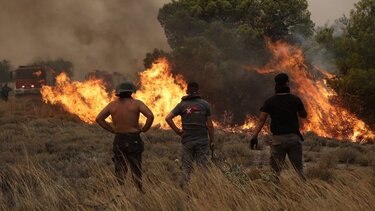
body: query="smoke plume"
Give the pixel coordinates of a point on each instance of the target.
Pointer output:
(93, 34)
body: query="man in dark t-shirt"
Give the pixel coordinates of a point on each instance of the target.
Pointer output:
(284, 109)
(197, 130)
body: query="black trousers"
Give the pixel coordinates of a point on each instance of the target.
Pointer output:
(127, 149)
(288, 144)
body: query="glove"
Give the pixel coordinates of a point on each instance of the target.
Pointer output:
(254, 142)
(212, 146)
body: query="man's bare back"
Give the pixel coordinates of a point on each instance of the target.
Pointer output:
(125, 116)
(127, 144)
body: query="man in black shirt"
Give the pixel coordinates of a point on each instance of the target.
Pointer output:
(197, 130)
(284, 109)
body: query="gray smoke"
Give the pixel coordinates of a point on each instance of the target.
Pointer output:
(98, 34)
(93, 34)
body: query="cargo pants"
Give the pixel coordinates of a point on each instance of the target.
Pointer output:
(287, 144)
(197, 151)
(127, 149)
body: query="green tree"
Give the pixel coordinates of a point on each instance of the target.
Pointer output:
(354, 49)
(361, 31)
(212, 41)
(151, 57)
(280, 19)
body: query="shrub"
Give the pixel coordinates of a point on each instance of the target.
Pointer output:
(309, 157)
(317, 172)
(365, 159)
(347, 154)
(323, 170)
(327, 161)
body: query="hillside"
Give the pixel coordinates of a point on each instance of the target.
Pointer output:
(50, 160)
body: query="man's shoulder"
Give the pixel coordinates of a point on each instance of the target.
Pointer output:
(137, 102)
(198, 101)
(295, 97)
(276, 97)
(113, 102)
(204, 102)
(270, 99)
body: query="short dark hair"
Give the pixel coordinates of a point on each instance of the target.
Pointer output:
(192, 87)
(123, 95)
(281, 79)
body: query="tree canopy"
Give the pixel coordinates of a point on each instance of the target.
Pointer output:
(354, 50)
(212, 40)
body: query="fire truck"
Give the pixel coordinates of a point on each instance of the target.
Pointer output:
(110, 79)
(30, 79)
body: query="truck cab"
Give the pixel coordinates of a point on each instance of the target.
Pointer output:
(30, 79)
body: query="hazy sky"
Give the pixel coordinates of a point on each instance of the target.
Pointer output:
(329, 10)
(99, 34)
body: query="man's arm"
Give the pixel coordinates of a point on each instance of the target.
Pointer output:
(148, 114)
(254, 138)
(100, 119)
(301, 110)
(262, 119)
(169, 120)
(210, 127)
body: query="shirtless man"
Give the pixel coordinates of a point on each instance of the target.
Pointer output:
(128, 145)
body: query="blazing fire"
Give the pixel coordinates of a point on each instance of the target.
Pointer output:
(249, 125)
(158, 89)
(84, 99)
(161, 91)
(326, 117)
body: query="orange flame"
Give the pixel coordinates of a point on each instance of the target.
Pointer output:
(161, 91)
(84, 99)
(158, 89)
(326, 118)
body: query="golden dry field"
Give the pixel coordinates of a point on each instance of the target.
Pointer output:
(50, 160)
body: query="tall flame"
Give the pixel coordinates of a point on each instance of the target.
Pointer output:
(84, 99)
(326, 117)
(161, 91)
(158, 89)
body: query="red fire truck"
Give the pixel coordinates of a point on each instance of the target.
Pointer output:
(30, 79)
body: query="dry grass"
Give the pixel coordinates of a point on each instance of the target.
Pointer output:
(52, 161)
